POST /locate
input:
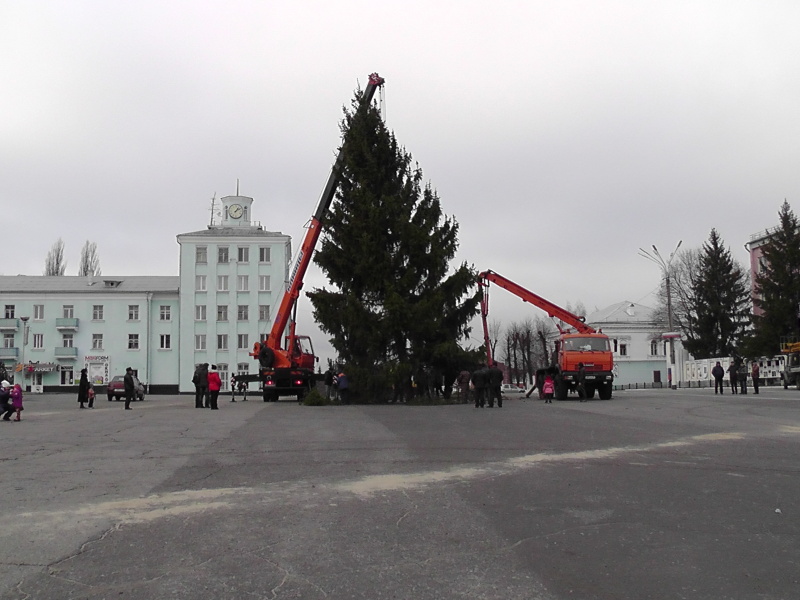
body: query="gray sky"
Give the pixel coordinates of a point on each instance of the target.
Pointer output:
(562, 136)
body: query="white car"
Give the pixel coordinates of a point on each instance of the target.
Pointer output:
(508, 389)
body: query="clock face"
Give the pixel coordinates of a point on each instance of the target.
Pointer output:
(235, 211)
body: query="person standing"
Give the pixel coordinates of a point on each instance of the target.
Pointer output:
(328, 384)
(343, 385)
(130, 388)
(214, 385)
(732, 369)
(718, 373)
(479, 382)
(548, 389)
(90, 395)
(200, 381)
(495, 376)
(83, 389)
(16, 400)
(756, 371)
(463, 386)
(6, 410)
(233, 387)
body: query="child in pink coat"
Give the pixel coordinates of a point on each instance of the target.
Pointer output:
(16, 400)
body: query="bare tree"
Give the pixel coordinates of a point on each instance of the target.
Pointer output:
(55, 264)
(495, 333)
(90, 262)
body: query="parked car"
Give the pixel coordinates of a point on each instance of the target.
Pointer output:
(116, 388)
(509, 389)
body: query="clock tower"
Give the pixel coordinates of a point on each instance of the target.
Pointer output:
(236, 211)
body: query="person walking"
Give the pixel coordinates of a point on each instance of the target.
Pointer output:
(732, 369)
(6, 410)
(756, 372)
(214, 385)
(233, 387)
(83, 389)
(718, 373)
(200, 381)
(343, 385)
(130, 388)
(16, 400)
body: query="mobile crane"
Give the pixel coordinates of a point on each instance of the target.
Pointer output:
(584, 346)
(289, 370)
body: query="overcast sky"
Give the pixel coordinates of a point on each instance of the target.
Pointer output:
(562, 136)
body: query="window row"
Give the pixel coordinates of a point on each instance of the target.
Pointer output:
(98, 312)
(242, 312)
(242, 341)
(223, 285)
(242, 254)
(68, 340)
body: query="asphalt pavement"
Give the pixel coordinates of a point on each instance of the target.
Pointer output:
(653, 494)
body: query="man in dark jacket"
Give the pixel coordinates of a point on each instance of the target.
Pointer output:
(718, 373)
(130, 388)
(495, 385)
(733, 369)
(200, 381)
(479, 381)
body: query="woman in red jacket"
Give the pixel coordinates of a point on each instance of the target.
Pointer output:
(214, 385)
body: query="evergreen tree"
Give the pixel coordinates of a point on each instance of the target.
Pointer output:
(55, 264)
(719, 305)
(396, 308)
(90, 262)
(777, 287)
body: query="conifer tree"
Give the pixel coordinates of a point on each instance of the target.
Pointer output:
(396, 307)
(777, 287)
(719, 305)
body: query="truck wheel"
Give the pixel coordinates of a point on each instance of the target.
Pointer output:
(270, 396)
(110, 397)
(605, 391)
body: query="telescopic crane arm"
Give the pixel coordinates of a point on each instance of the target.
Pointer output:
(295, 283)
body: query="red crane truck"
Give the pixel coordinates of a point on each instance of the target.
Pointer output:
(583, 346)
(288, 369)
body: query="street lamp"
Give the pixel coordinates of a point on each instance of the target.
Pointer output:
(24, 343)
(666, 268)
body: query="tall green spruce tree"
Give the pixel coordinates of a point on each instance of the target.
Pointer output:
(719, 306)
(777, 287)
(396, 309)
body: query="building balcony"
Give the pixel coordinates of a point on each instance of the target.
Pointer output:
(9, 353)
(9, 324)
(66, 324)
(66, 353)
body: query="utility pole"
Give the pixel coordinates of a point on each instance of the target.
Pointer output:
(666, 268)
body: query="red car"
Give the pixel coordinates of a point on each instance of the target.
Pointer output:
(116, 388)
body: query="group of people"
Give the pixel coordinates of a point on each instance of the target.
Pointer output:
(487, 382)
(207, 384)
(737, 374)
(10, 400)
(337, 385)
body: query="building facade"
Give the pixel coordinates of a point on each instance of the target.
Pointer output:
(231, 276)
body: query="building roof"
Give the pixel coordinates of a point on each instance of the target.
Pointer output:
(625, 312)
(82, 285)
(233, 232)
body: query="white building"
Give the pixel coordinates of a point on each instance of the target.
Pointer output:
(231, 275)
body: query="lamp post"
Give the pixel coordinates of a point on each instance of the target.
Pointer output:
(24, 343)
(666, 268)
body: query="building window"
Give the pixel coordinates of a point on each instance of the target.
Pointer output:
(242, 342)
(38, 340)
(263, 283)
(263, 254)
(133, 341)
(222, 312)
(66, 372)
(9, 311)
(222, 254)
(8, 340)
(243, 254)
(243, 367)
(242, 312)
(623, 349)
(97, 341)
(200, 283)
(38, 312)
(222, 283)
(69, 311)
(222, 341)
(653, 348)
(165, 313)
(66, 340)
(200, 341)
(199, 312)
(166, 343)
(263, 312)
(133, 312)
(201, 254)
(97, 312)
(243, 283)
